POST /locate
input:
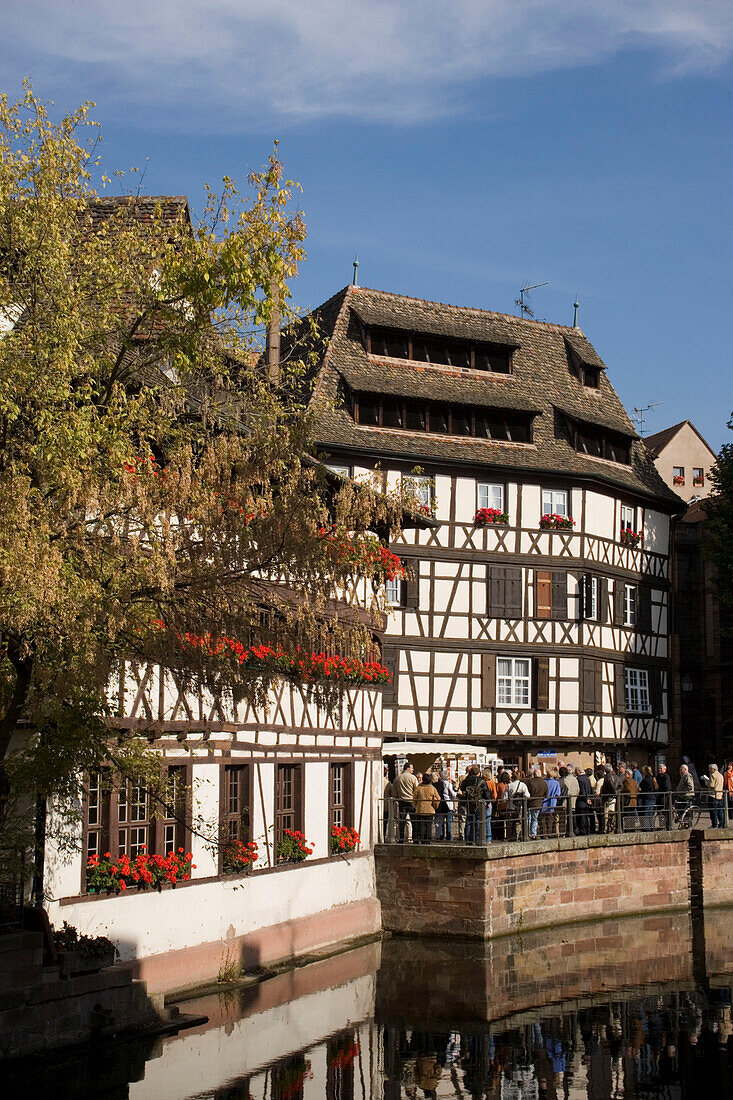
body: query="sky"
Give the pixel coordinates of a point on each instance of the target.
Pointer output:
(462, 147)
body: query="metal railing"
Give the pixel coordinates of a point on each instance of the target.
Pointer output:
(522, 818)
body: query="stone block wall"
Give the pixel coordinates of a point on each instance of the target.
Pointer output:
(716, 865)
(503, 888)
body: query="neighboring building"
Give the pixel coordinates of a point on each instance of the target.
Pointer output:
(683, 458)
(518, 637)
(702, 656)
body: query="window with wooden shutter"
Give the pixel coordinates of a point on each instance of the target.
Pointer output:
(288, 799)
(559, 595)
(620, 689)
(340, 797)
(619, 602)
(644, 608)
(236, 802)
(488, 680)
(590, 685)
(655, 690)
(543, 594)
(542, 683)
(391, 661)
(504, 592)
(412, 584)
(604, 600)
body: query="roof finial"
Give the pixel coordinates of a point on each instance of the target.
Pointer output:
(576, 307)
(356, 269)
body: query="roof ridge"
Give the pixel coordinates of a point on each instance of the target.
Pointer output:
(473, 309)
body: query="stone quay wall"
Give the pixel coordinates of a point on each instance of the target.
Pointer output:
(482, 892)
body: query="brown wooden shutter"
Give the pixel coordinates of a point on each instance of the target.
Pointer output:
(620, 699)
(644, 608)
(513, 582)
(391, 660)
(504, 592)
(559, 595)
(604, 610)
(488, 680)
(542, 683)
(584, 589)
(619, 596)
(412, 583)
(655, 690)
(590, 683)
(543, 593)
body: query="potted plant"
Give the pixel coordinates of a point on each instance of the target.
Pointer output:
(344, 839)
(486, 517)
(82, 954)
(630, 538)
(293, 848)
(555, 522)
(238, 856)
(678, 479)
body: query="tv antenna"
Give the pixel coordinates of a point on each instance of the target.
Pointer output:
(525, 309)
(639, 414)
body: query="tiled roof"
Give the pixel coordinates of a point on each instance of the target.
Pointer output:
(541, 380)
(163, 208)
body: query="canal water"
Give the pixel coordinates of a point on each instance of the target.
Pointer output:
(635, 1008)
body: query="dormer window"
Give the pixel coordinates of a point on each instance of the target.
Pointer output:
(391, 343)
(589, 377)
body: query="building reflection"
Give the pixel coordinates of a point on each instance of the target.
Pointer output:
(616, 1011)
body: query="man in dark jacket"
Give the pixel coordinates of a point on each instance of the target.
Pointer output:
(537, 793)
(584, 816)
(474, 794)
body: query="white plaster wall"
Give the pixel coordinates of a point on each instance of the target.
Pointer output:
(197, 1063)
(656, 531)
(150, 923)
(599, 515)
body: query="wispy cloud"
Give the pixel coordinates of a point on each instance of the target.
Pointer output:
(231, 63)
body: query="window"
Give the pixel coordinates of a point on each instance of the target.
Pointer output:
(698, 475)
(173, 825)
(628, 519)
(133, 824)
(236, 802)
(593, 439)
(97, 814)
(420, 487)
(678, 475)
(440, 350)
(512, 681)
(340, 811)
(638, 699)
(590, 377)
(288, 799)
(590, 597)
(402, 413)
(337, 468)
(555, 500)
(490, 495)
(629, 605)
(504, 592)
(393, 591)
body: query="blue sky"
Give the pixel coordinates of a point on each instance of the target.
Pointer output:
(461, 146)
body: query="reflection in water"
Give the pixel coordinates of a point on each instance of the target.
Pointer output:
(625, 1010)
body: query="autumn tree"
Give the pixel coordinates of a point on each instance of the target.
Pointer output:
(159, 502)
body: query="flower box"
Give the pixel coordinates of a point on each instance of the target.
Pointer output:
(553, 522)
(293, 848)
(698, 481)
(238, 856)
(630, 538)
(677, 480)
(486, 517)
(109, 875)
(344, 839)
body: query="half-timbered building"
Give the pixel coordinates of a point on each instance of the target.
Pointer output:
(535, 616)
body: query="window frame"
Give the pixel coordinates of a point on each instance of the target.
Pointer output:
(630, 602)
(640, 688)
(297, 810)
(523, 682)
(500, 485)
(418, 483)
(343, 810)
(399, 600)
(340, 468)
(513, 422)
(228, 817)
(628, 524)
(553, 509)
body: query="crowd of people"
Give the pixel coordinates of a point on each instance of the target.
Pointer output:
(566, 800)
